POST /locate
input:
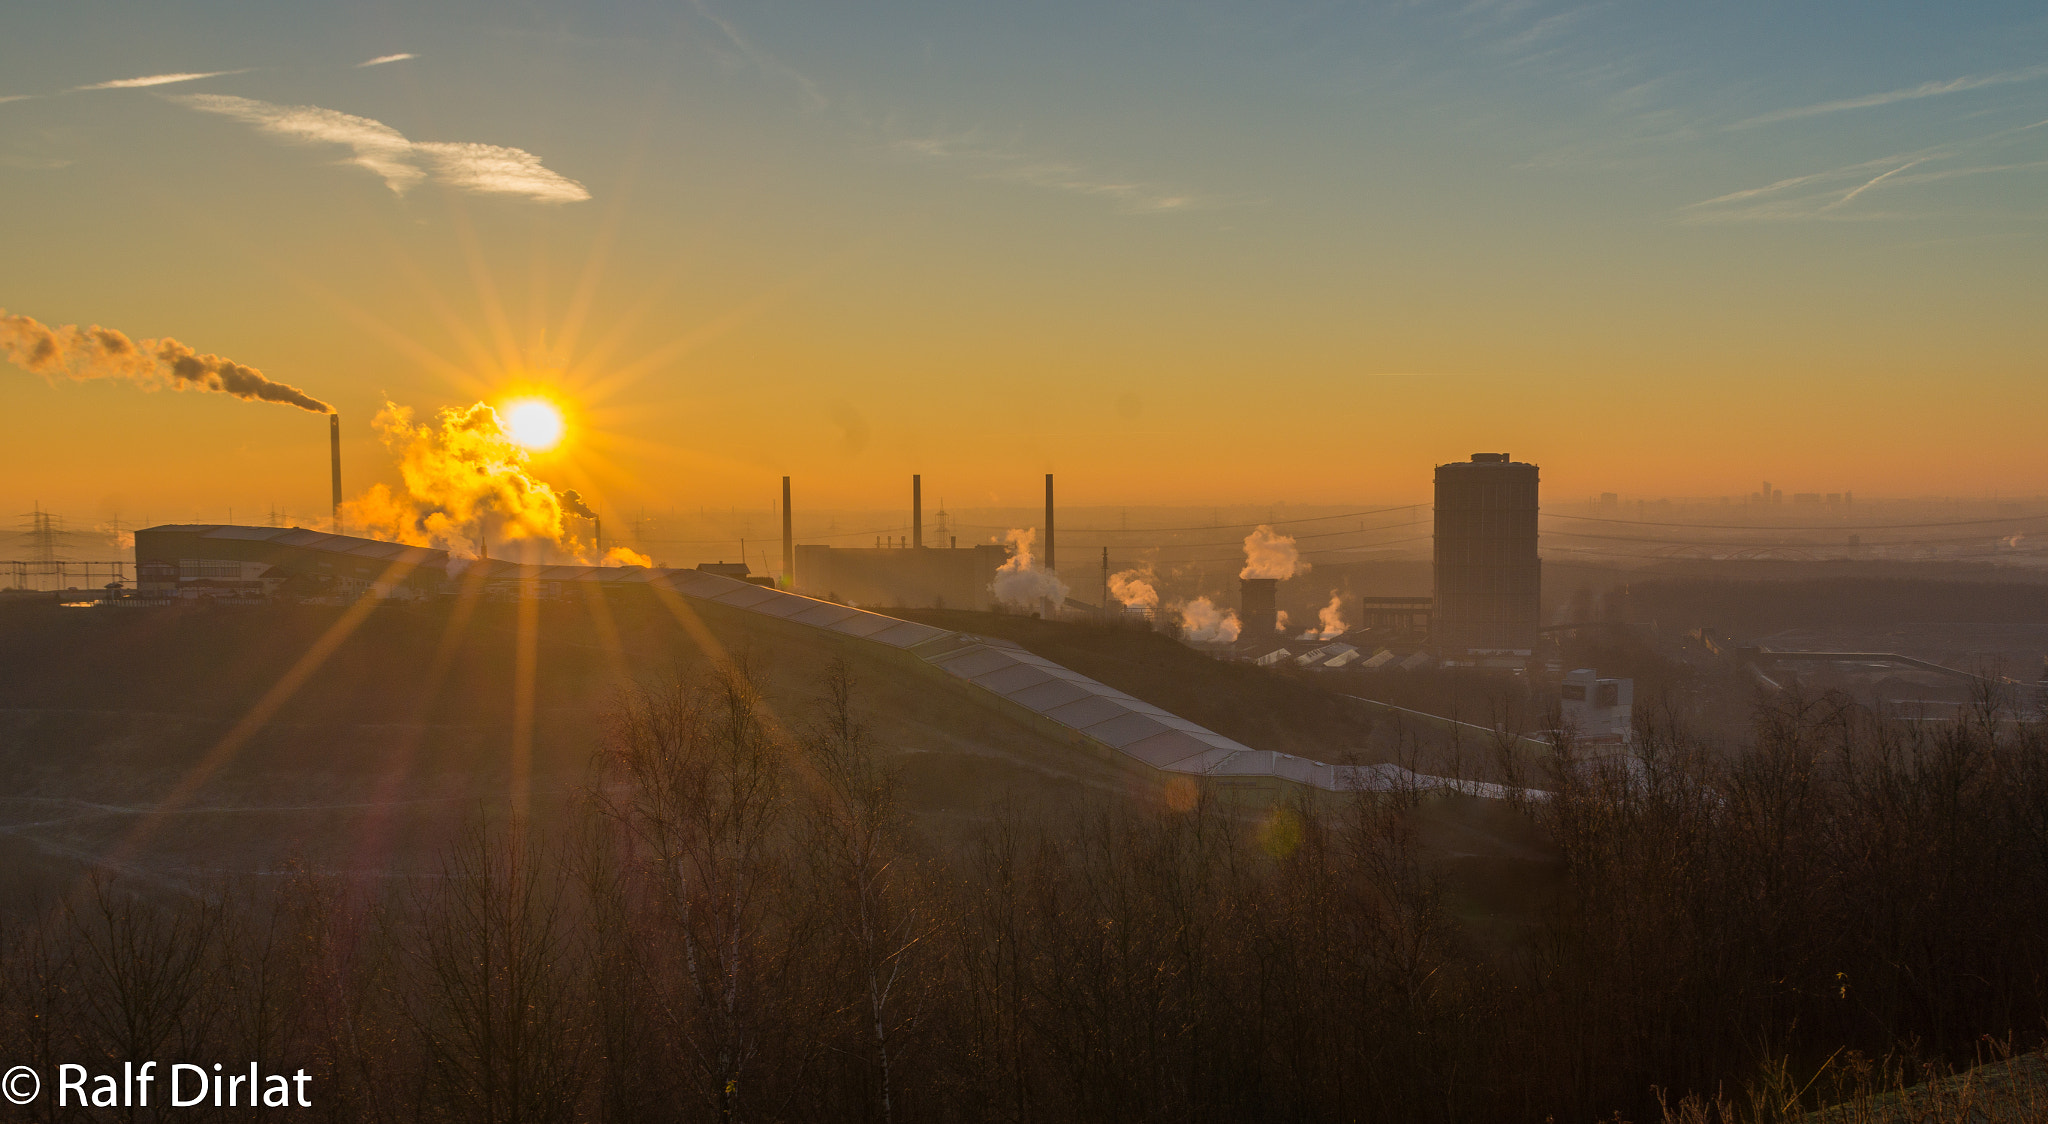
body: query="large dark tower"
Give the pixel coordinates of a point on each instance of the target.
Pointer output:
(1489, 582)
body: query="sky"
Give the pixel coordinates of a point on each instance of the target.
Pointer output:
(1176, 253)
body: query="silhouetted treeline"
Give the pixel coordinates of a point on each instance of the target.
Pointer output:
(747, 927)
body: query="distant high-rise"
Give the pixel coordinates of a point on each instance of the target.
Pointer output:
(1488, 578)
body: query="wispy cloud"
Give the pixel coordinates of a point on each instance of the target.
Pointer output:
(993, 162)
(1906, 93)
(761, 60)
(18, 97)
(154, 80)
(401, 162)
(1827, 195)
(380, 60)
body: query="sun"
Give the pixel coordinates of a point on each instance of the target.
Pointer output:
(534, 424)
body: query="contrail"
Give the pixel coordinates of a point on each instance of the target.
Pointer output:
(103, 353)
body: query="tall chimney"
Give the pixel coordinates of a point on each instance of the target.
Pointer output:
(1048, 523)
(788, 541)
(334, 447)
(917, 512)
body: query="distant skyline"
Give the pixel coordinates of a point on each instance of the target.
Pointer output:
(1202, 254)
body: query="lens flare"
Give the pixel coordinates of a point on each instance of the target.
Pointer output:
(534, 424)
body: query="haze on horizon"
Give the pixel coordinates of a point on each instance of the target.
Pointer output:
(1218, 254)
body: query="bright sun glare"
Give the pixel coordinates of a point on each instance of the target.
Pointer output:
(535, 424)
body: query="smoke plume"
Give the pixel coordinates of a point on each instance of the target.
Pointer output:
(1269, 554)
(1134, 589)
(1330, 619)
(572, 504)
(1021, 582)
(626, 556)
(1202, 621)
(1280, 621)
(103, 353)
(461, 472)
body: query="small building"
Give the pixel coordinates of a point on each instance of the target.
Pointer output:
(1597, 709)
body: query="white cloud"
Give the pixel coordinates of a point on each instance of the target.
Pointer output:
(996, 163)
(401, 162)
(154, 80)
(1907, 93)
(380, 60)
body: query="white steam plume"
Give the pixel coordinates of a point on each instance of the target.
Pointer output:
(1270, 554)
(103, 353)
(1134, 589)
(1021, 582)
(460, 470)
(1330, 620)
(1202, 621)
(1280, 621)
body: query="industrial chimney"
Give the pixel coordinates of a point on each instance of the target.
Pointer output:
(917, 512)
(334, 447)
(1049, 564)
(788, 541)
(1258, 606)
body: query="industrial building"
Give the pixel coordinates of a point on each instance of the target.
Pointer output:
(910, 577)
(1488, 577)
(235, 563)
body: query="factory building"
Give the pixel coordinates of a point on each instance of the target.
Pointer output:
(253, 563)
(908, 577)
(1488, 577)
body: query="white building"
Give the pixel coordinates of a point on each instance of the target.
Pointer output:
(1598, 709)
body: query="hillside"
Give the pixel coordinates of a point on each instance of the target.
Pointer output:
(411, 723)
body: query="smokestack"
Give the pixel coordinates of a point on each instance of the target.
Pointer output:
(1258, 606)
(788, 541)
(1049, 564)
(917, 512)
(334, 448)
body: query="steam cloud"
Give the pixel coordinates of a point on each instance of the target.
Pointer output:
(1331, 619)
(1134, 589)
(627, 556)
(1269, 554)
(1280, 621)
(460, 470)
(1201, 620)
(1021, 582)
(103, 353)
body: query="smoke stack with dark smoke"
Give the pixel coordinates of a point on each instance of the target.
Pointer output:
(103, 353)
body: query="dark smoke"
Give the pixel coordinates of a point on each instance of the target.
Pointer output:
(573, 503)
(96, 352)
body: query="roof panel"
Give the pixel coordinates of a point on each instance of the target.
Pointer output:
(905, 634)
(745, 597)
(1126, 729)
(862, 624)
(1086, 711)
(1168, 748)
(262, 534)
(824, 614)
(1009, 680)
(971, 662)
(1049, 694)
